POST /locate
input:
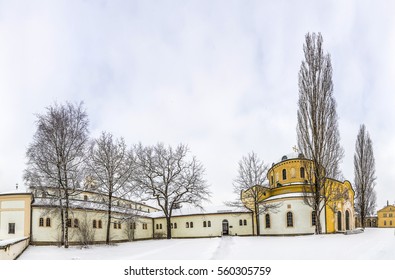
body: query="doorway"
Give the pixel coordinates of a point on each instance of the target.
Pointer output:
(225, 227)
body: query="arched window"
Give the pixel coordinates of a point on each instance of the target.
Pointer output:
(187, 224)
(48, 222)
(191, 224)
(290, 219)
(313, 218)
(302, 175)
(157, 226)
(385, 223)
(347, 220)
(41, 222)
(116, 225)
(204, 224)
(120, 225)
(209, 224)
(85, 197)
(76, 224)
(175, 225)
(240, 222)
(267, 220)
(99, 223)
(284, 174)
(94, 224)
(245, 222)
(293, 173)
(160, 226)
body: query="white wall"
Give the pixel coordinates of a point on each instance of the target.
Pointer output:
(199, 231)
(301, 219)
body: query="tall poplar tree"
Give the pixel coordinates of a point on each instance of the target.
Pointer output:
(364, 172)
(317, 128)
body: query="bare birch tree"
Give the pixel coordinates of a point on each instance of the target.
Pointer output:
(56, 155)
(364, 172)
(317, 128)
(171, 178)
(110, 166)
(250, 185)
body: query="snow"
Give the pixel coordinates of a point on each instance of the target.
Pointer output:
(6, 242)
(371, 244)
(207, 209)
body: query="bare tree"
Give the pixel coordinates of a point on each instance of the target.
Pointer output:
(364, 172)
(250, 186)
(110, 166)
(85, 231)
(317, 128)
(170, 178)
(56, 155)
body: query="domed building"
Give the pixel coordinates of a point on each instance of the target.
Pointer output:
(282, 204)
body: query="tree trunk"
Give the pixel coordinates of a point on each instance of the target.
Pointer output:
(168, 227)
(66, 229)
(109, 218)
(258, 230)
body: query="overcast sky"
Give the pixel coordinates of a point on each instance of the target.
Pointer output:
(220, 76)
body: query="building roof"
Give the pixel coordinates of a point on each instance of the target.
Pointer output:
(187, 210)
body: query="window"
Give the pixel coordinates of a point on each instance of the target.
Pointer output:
(272, 180)
(157, 226)
(94, 224)
(133, 225)
(160, 226)
(390, 215)
(41, 222)
(267, 220)
(313, 218)
(187, 224)
(99, 224)
(11, 228)
(293, 173)
(191, 224)
(175, 225)
(290, 219)
(209, 224)
(171, 225)
(85, 197)
(120, 225)
(76, 223)
(284, 174)
(47, 222)
(302, 172)
(68, 222)
(145, 226)
(240, 222)
(204, 224)
(245, 222)
(385, 223)
(390, 223)
(385, 215)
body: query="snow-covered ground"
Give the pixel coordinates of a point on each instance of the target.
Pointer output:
(372, 244)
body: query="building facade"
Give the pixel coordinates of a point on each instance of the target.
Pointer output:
(386, 217)
(288, 214)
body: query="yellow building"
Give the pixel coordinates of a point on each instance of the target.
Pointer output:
(289, 182)
(386, 217)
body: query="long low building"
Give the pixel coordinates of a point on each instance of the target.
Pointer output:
(35, 214)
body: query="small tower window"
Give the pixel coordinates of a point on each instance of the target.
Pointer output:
(284, 174)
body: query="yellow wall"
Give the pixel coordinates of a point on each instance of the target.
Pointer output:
(386, 217)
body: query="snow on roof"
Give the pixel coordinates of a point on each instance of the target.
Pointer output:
(18, 191)
(6, 242)
(287, 195)
(187, 210)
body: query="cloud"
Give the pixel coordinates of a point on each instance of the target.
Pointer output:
(220, 76)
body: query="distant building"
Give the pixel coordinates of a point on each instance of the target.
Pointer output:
(386, 216)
